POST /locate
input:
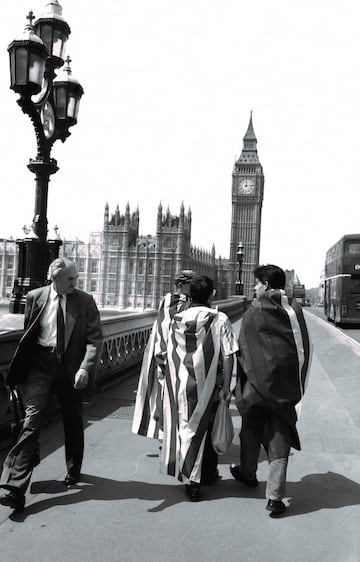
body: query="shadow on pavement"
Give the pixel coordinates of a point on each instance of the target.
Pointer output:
(311, 493)
(322, 491)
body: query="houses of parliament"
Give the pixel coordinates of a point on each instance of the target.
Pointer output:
(122, 269)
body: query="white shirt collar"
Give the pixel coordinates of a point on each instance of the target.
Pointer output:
(54, 294)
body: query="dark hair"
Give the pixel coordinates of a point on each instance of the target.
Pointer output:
(184, 276)
(274, 275)
(201, 289)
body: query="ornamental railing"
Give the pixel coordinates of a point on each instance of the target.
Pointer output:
(123, 345)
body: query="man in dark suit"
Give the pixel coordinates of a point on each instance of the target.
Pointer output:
(57, 352)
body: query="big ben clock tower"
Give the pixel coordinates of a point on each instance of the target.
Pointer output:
(247, 198)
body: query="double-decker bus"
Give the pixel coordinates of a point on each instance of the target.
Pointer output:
(298, 293)
(342, 281)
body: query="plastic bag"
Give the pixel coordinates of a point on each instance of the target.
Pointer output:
(223, 430)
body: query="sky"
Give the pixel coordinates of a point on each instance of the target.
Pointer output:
(169, 87)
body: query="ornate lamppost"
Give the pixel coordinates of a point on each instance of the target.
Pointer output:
(240, 260)
(52, 103)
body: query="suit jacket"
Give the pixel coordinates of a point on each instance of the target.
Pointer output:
(83, 334)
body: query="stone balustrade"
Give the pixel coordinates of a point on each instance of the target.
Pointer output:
(124, 339)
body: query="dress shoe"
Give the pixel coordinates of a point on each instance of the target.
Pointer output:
(13, 499)
(277, 507)
(236, 472)
(71, 480)
(193, 491)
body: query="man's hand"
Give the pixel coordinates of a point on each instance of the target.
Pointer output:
(81, 379)
(225, 394)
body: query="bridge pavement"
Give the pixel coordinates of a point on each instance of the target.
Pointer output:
(124, 510)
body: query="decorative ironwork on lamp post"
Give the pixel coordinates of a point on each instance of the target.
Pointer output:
(52, 103)
(240, 260)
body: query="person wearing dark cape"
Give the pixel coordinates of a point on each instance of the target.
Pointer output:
(274, 361)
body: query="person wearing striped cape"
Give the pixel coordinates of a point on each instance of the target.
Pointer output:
(198, 338)
(147, 420)
(274, 361)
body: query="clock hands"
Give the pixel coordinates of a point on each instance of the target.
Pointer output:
(246, 185)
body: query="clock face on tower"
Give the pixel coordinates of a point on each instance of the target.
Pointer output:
(246, 186)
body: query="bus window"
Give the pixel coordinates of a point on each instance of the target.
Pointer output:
(353, 248)
(355, 285)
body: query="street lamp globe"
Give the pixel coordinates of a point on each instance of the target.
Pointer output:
(240, 259)
(240, 252)
(54, 32)
(67, 94)
(27, 61)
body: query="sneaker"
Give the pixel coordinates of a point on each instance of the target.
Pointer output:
(277, 507)
(236, 472)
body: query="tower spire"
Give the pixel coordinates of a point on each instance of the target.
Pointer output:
(249, 151)
(106, 216)
(250, 133)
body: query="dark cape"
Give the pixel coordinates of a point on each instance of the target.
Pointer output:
(274, 357)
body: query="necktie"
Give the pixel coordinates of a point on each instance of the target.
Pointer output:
(60, 330)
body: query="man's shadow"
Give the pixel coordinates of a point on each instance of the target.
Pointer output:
(311, 493)
(322, 491)
(92, 488)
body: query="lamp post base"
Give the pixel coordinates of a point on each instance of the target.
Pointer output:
(17, 304)
(34, 260)
(239, 288)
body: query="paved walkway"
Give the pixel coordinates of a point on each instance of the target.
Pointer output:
(124, 510)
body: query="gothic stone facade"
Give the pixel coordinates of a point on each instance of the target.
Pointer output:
(8, 258)
(123, 269)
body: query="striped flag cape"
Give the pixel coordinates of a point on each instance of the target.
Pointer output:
(275, 357)
(190, 380)
(147, 418)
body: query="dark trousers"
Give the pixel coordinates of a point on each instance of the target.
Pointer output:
(261, 425)
(209, 460)
(210, 457)
(45, 377)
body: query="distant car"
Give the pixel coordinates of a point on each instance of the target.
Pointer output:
(307, 303)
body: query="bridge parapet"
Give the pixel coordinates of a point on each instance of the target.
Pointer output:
(124, 340)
